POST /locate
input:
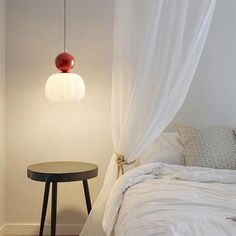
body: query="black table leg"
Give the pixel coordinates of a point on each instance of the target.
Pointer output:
(44, 208)
(87, 195)
(54, 209)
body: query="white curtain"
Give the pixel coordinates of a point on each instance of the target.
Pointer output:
(157, 47)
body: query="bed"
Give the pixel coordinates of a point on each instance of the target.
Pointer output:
(170, 198)
(163, 199)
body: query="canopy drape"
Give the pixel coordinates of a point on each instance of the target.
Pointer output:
(157, 47)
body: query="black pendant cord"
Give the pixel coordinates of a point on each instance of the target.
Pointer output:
(65, 49)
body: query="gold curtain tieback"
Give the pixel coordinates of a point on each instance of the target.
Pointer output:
(121, 162)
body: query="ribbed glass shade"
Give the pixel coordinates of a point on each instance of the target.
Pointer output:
(65, 87)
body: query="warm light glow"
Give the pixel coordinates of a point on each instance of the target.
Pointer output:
(65, 87)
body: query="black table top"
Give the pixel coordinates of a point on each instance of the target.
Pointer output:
(62, 171)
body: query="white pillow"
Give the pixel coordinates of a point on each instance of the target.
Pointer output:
(167, 149)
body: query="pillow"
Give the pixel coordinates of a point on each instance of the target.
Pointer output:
(211, 146)
(167, 149)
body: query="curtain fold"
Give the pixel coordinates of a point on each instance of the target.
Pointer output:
(157, 47)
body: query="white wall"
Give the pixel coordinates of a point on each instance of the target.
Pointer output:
(2, 113)
(38, 130)
(212, 96)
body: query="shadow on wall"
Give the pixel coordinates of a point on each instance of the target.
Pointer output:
(70, 216)
(67, 217)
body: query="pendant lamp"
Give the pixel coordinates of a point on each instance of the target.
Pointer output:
(65, 86)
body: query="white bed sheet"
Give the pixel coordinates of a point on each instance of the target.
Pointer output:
(183, 201)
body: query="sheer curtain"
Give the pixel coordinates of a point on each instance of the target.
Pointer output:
(157, 47)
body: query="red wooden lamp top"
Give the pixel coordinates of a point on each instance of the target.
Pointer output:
(65, 62)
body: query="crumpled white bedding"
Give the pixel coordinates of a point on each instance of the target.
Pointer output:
(161, 199)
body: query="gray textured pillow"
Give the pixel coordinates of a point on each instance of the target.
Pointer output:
(210, 146)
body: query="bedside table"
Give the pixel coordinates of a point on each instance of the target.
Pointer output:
(54, 172)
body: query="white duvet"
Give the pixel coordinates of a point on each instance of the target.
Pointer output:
(161, 199)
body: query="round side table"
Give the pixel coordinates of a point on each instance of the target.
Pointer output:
(54, 172)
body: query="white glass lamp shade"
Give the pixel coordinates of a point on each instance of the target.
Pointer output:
(65, 87)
